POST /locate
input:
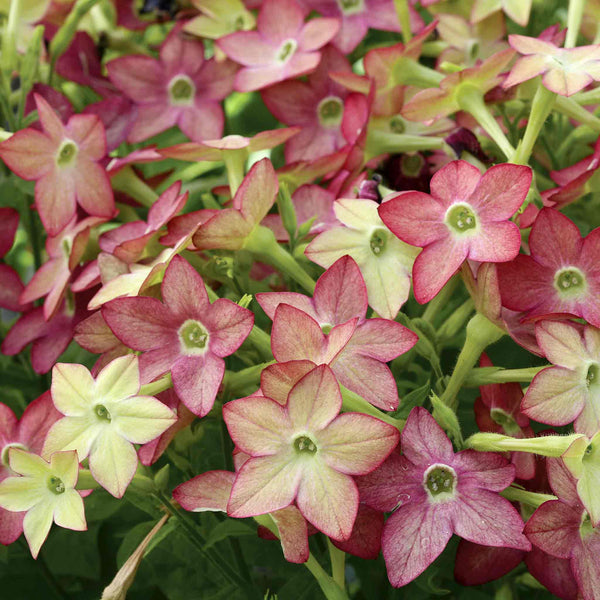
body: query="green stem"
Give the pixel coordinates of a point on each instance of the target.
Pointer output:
(548, 445)
(9, 41)
(235, 161)
(156, 387)
(128, 182)
(403, 13)
(586, 98)
(261, 340)
(338, 560)
(456, 321)
(219, 564)
(574, 21)
(470, 99)
(328, 586)
(384, 142)
(34, 235)
(480, 333)
(573, 110)
(515, 494)
(542, 104)
(440, 301)
(434, 48)
(262, 243)
(411, 72)
(236, 382)
(352, 402)
(488, 375)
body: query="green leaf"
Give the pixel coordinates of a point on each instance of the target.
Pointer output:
(415, 398)
(447, 420)
(228, 528)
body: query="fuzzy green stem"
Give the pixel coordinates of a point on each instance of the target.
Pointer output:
(156, 387)
(489, 375)
(573, 110)
(235, 161)
(262, 243)
(128, 182)
(410, 72)
(352, 402)
(338, 560)
(440, 301)
(9, 41)
(403, 13)
(383, 142)
(456, 321)
(328, 586)
(481, 332)
(515, 494)
(587, 98)
(261, 340)
(237, 382)
(85, 481)
(542, 104)
(549, 445)
(470, 99)
(573, 22)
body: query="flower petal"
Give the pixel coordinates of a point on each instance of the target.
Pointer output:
(72, 389)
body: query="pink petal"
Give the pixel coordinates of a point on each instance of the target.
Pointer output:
(524, 283)
(293, 531)
(365, 541)
(141, 78)
(183, 290)
(93, 189)
(277, 380)
(585, 566)
(157, 362)
(256, 194)
(495, 242)
(279, 20)
(357, 444)
(269, 301)
(554, 573)
(295, 335)
(530, 45)
(561, 343)
(413, 537)
(11, 526)
(55, 200)
(180, 53)
(455, 182)
(424, 441)
(525, 68)
(488, 471)
(196, 380)
(382, 339)
(554, 528)
(50, 121)
(291, 102)
(208, 491)
(36, 421)
(316, 33)
(227, 230)
(11, 289)
(202, 122)
(87, 131)
(29, 154)
(9, 222)
(247, 48)
(152, 119)
(315, 400)
(229, 325)
(476, 564)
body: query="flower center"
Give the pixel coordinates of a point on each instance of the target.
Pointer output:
(102, 413)
(4, 454)
(439, 482)
(397, 125)
(304, 445)
(55, 485)
(67, 153)
(193, 338)
(593, 372)
(505, 421)
(286, 50)
(585, 528)
(182, 90)
(330, 111)
(351, 7)
(461, 218)
(411, 164)
(378, 241)
(570, 282)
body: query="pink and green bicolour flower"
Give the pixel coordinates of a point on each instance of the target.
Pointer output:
(180, 88)
(63, 160)
(185, 334)
(305, 452)
(559, 276)
(339, 304)
(104, 418)
(569, 391)
(435, 493)
(46, 491)
(282, 47)
(465, 217)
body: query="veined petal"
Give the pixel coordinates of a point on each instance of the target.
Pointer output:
(331, 245)
(328, 499)
(229, 325)
(277, 380)
(424, 441)
(21, 493)
(455, 182)
(73, 433)
(55, 200)
(36, 525)
(257, 192)
(293, 534)
(561, 343)
(295, 335)
(140, 419)
(118, 380)
(113, 462)
(29, 153)
(356, 444)
(269, 301)
(183, 289)
(66, 466)
(485, 470)
(27, 464)
(72, 389)
(207, 491)
(69, 511)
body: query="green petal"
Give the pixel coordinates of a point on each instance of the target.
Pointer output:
(36, 526)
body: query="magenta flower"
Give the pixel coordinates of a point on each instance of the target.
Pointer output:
(331, 329)
(499, 410)
(466, 216)
(186, 335)
(63, 161)
(305, 451)
(283, 47)
(12, 286)
(180, 88)
(559, 276)
(563, 529)
(435, 493)
(316, 105)
(569, 391)
(29, 434)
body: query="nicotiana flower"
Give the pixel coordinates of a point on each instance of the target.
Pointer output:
(569, 391)
(27, 433)
(218, 18)
(339, 299)
(180, 88)
(305, 451)
(435, 493)
(186, 335)
(46, 490)
(564, 71)
(282, 47)
(12, 286)
(466, 216)
(385, 262)
(559, 276)
(63, 160)
(517, 10)
(563, 529)
(104, 417)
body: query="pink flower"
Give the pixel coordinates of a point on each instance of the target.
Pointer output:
(180, 88)
(63, 161)
(435, 493)
(11, 287)
(559, 276)
(316, 105)
(466, 216)
(283, 47)
(305, 451)
(186, 335)
(354, 347)
(29, 434)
